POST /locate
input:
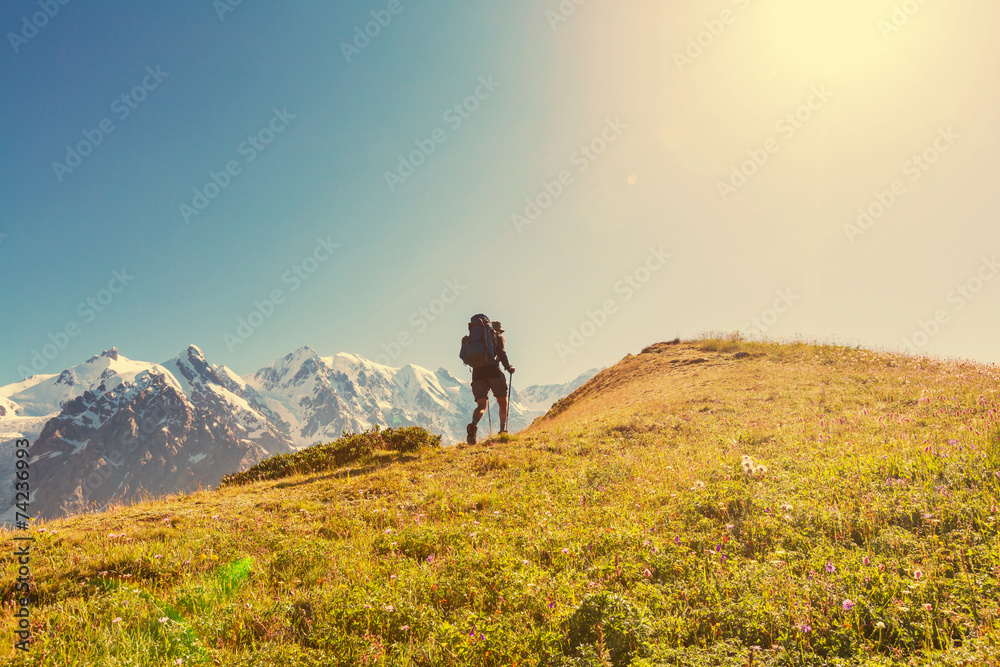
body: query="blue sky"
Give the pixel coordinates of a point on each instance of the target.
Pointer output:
(650, 235)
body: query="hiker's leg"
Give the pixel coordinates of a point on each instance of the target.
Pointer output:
(480, 410)
(502, 402)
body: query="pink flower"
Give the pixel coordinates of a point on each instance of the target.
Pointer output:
(918, 575)
(848, 605)
(866, 560)
(647, 573)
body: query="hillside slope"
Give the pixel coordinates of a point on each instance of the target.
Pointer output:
(704, 503)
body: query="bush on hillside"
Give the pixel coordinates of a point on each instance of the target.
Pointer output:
(348, 448)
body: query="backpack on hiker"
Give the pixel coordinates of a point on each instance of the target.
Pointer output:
(479, 348)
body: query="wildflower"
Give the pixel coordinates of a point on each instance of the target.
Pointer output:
(216, 516)
(430, 559)
(388, 530)
(405, 627)
(390, 608)
(116, 619)
(927, 606)
(805, 628)
(918, 575)
(848, 605)
(565, 551)
(179, 661)
(866, 560)
(163, 619)
(830, 568)
(647, 573)
(158, 556)
(677, 540)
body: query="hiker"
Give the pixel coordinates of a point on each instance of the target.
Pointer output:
(484, 349)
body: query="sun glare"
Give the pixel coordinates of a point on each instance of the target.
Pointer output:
(829, 34)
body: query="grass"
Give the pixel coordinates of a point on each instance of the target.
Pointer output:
(621, 529)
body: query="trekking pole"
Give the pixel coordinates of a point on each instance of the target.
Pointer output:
(510, 394)
(489, 414)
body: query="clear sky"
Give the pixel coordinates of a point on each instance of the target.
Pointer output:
(694, 165)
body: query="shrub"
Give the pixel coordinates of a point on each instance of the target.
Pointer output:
(348, 448)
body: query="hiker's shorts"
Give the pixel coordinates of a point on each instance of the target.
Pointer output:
(481, 388)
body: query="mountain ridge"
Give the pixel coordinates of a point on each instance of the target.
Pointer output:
(112, 428)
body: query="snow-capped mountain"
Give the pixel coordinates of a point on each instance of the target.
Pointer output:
(322, 397)
(113, 429)
(540, 397)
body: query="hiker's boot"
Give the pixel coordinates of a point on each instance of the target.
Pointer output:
(470, 431)
(503, 429)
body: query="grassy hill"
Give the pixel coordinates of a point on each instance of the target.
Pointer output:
(703, 503)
